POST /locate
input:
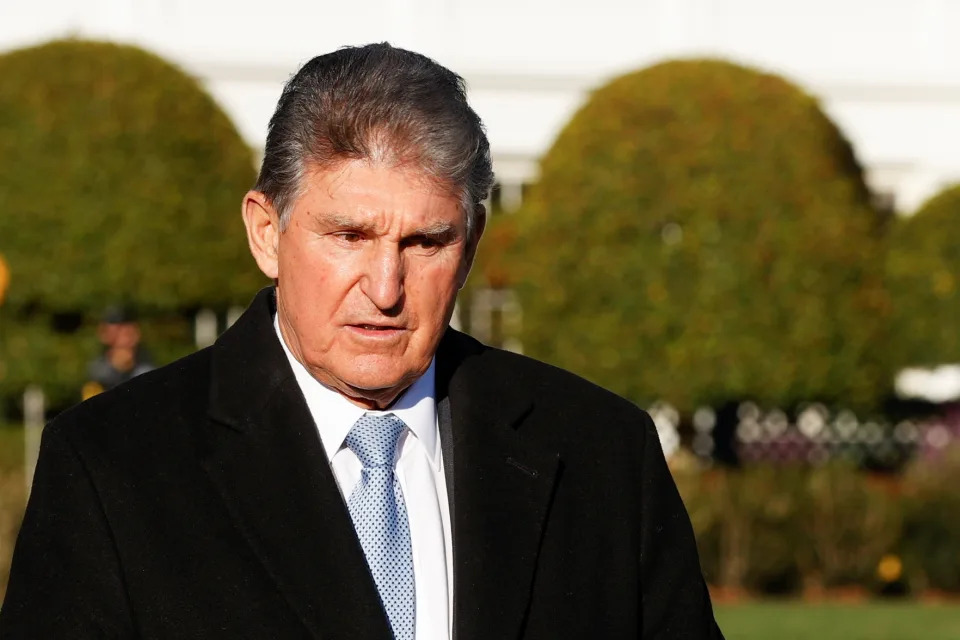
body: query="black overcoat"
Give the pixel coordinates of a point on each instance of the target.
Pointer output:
(196, 502)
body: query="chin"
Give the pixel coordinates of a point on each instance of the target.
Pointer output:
(372, 387)
(378, 381)
(371, 377)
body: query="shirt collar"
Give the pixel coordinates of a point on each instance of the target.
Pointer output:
(334, 415)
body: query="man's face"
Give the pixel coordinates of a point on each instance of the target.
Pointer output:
(127, 335)
(367, 273)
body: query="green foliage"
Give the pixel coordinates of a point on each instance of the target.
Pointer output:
(32, 352)
(121, 181)
(779, 529)
(701, 232)
(923, 276)
(931, 540)
(491, 265)
(12, 494)
(490, 271)
(12, 504)
(850, 523)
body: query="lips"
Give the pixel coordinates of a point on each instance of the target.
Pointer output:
(376, 327)
(376, 331)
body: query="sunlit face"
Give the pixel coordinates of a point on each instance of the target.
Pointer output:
(367, 272)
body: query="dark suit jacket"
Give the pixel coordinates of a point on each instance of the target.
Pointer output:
(196, 502)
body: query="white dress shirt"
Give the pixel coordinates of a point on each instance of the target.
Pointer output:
(419, 469)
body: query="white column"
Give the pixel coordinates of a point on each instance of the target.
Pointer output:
(233, 314)
(511, 196)
(205, 328)
(34, 416)
(455, 322)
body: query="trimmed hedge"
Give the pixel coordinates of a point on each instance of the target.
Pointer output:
(122, 180)
(777, 530)
(923, 275)
(701, 232)
(931, 523)
(32, 351)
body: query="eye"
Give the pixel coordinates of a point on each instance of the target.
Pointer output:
(349, 237)
(425, 242)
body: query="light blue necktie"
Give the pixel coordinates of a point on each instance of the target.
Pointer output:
(380, 517)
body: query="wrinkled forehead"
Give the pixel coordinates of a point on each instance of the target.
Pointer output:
(349, 177)
(384, 155)
(374, 198)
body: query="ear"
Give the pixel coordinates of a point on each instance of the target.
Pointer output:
(263, 232)
(480, 222)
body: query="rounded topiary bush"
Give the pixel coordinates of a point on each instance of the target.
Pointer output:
(122, 180)
(923, 276)
(702, 232)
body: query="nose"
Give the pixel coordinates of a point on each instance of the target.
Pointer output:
(382, 281)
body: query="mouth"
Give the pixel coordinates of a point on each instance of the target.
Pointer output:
(376, 330)
(377, 327)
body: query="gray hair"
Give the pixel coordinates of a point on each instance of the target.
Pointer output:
(379, 103)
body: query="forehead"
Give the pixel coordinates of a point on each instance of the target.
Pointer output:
(364, 188)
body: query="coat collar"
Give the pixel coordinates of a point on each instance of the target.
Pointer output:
(266, 459)
(248, 365)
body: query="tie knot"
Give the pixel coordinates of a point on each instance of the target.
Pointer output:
(374, 439)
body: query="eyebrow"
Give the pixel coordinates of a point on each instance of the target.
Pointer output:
(346, 222)
(438, 230)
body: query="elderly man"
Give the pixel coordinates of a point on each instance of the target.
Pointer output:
(341, 464)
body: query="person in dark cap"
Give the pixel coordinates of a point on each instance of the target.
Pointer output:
(122, 358)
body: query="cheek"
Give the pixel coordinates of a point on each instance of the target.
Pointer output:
(308, 271)
(307, 284)
(433, 290)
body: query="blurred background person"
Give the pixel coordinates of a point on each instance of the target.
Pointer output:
(123, 356)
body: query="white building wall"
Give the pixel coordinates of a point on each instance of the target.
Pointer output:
(887, 70)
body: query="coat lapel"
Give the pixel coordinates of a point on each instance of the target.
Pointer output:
(502, 486)
(266, 459)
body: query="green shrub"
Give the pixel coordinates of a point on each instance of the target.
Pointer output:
(701, 232)
(773, 529)
(491, 268)
(12, 504)
(34, 353)
(12, 495)
(848, 523)
(122, 182)
(747, 526)
(923, 275)
(490, 271)
(931, 536)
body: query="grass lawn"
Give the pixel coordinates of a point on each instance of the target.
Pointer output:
(881, 620)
